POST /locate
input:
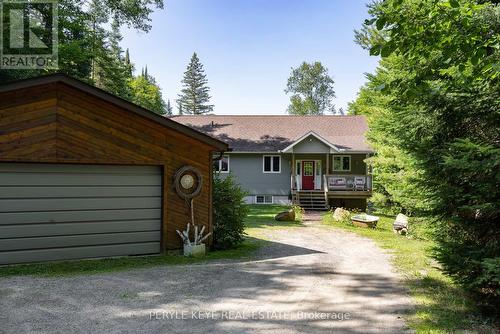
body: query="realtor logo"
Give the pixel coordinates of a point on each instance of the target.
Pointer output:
(28, 34)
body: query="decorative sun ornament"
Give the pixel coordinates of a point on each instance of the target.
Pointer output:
(187, 181)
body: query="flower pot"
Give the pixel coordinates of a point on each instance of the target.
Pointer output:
(365, 220)
(194, 250)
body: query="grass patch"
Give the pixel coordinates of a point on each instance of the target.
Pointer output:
(95, 266)
(261, 217)
(439, 305)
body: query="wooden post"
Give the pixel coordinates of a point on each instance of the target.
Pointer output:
(293, 172)
(327, 164)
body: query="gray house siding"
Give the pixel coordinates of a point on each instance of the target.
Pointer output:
(311, 145)
(358, 166)
(248, 170)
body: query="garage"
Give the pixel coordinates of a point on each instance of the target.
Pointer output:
(85, 174)
(55, 212)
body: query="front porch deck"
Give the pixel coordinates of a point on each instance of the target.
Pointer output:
(349, 194)
(319, 199)
(339, 187)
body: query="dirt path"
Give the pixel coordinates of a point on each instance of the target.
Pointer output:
(303, 281)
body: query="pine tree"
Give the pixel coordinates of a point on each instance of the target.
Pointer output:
(194, 97)
(168, 108)
(128, 64)
(110, 71)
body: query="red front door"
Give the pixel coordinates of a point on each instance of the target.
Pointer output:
(308, 175)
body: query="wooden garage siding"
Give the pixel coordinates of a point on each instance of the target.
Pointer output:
(54, 212)
(67, 125)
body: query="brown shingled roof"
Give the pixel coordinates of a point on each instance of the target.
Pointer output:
(271, 133)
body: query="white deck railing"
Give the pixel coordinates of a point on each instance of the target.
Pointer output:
(337, 182)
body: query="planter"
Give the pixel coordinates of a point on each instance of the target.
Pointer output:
(365, 221)
(195, 251)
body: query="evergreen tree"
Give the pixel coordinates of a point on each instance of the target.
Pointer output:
(194, 97)
(87, 48)
(110, 71)
(168, 108)
(435, 117)
(128, 64)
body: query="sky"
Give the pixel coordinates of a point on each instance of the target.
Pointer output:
(248, 47)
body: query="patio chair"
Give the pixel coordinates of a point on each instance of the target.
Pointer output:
(359, 183)
(337, 183)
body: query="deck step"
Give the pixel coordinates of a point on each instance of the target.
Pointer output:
(310, 200)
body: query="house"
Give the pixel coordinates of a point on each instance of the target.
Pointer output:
(85, 174)
(314, 161)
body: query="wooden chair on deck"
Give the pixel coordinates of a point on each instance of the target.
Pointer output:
(359, 183)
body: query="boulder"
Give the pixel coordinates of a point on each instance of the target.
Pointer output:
(341, 214)
(400, 225)
(285, 216)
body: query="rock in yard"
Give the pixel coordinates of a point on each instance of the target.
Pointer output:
(341, 214)
(400, 225)
(285, 216)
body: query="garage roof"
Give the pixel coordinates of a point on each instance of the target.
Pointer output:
(62, 78)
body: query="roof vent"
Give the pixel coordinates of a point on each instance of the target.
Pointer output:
(213, 124)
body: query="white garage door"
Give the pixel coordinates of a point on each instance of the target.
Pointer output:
(57, 212)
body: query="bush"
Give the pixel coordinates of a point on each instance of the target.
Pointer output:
(299, 212)
(229, 212)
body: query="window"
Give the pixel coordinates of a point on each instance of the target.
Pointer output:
(222, 165)
(272, 164)
(308, 168)
(264, 199)
(341, 163)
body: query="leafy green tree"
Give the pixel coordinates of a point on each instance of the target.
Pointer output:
(194, 97)
(312, 90)
(147, 94)
(438, 86)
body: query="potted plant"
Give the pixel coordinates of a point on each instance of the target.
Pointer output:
(196, 247)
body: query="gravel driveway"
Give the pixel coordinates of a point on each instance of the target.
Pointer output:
(308, 279)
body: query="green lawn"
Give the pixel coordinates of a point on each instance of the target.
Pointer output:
(440, 306)
(261, 217)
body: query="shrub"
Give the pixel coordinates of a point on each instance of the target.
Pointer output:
(299, 212)
(229, 212)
